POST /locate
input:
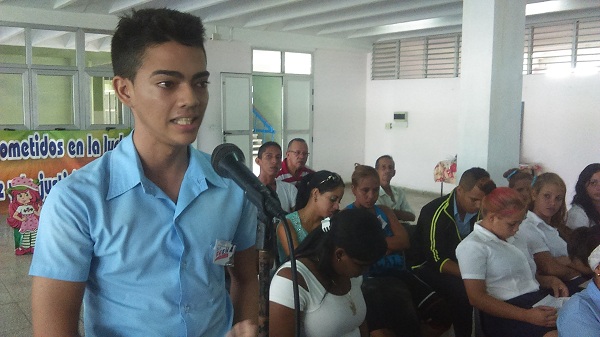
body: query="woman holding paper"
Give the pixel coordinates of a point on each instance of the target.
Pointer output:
(497, 274)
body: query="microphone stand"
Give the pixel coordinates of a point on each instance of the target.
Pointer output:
(266, 244)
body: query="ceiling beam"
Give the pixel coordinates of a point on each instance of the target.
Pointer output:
(7, 33)
(558, 6)
(303, 9)
(421, 33)
(245, 7)
(421, 14)
(409, 26)
(194, 5)
(395, 8)
(123, 5)
(58, 4)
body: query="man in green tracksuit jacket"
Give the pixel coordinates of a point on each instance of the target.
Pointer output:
(443, 224)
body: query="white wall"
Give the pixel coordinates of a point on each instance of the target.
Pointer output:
(339, 112)
(221, 56)
(432, 106)
(339, 103)
(561, 126)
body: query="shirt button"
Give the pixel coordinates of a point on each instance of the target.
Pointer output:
(184, 265)
(187, 308)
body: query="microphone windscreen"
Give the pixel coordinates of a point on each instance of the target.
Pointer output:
(223, 151)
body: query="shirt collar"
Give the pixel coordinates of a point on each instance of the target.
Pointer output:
(125, 176)
(467, 217)
(539, 222)
(486, 235)
(594, 293)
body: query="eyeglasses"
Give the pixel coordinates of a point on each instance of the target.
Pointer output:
(297, 153)
(332, 177)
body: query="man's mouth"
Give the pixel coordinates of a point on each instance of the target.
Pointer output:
(183, 121)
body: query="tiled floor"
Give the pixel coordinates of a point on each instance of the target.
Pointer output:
(15, 284)
(15, 287)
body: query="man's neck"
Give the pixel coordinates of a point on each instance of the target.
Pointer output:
(164, 166)
(293, 170)
(267, 180)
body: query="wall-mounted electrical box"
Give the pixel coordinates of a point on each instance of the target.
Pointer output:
(401, 118)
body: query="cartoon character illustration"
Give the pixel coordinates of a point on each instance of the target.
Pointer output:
(24, 213)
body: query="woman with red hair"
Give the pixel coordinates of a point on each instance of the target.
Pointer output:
(497, 272)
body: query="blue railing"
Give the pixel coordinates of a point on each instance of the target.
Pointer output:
(267, 128)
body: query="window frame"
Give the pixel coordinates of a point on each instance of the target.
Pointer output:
(81, 77)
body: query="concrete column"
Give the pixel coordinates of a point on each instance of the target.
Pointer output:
(489, 124)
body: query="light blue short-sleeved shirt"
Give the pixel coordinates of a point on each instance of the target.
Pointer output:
(580, 315)
(147, 261)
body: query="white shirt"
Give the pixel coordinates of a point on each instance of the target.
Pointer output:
(399, 203)
(286, 193)
(323, 314)
(576, 218)
(538, 233)
(503, 266)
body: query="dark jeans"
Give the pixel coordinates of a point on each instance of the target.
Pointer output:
(452, 289)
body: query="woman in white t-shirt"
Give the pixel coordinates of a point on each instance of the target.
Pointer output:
(497, 275)
(330, 262)
(585, 210)
(545, 233)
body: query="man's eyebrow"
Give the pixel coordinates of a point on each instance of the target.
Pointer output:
(201, 74)
(167, 72)
(177, 74)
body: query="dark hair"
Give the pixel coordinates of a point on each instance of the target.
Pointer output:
(363, 171)
(582, 242)
(514, 174)
(581, 197)
(264, 147)
(357, 231)
(296, 140)
(385, 156)
(476, 176)
(324, 181)
(150, 27)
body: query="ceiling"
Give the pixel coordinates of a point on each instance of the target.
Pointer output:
(365, 20)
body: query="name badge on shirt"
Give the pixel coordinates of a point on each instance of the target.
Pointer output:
(224, 251)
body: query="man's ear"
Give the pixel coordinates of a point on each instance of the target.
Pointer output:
(256, 161)
(122, 88)
(339, 252)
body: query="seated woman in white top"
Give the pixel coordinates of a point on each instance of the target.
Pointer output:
(330, 262)
(585, 210)
(497, 276)
(544, 231)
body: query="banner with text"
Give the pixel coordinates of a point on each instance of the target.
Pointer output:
(49, 156)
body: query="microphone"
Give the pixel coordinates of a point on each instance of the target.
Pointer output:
(228, 161)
